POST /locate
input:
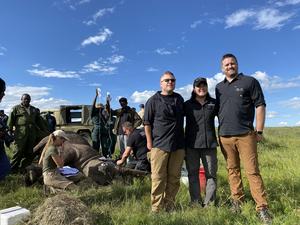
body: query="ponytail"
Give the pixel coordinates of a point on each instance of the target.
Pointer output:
(50, 141)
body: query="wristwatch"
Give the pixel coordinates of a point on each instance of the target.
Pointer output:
(260, 132)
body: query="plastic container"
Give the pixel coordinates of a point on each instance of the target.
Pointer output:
(202, 179)
(13, 215)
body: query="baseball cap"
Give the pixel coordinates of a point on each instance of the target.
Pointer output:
(199, 80)
(60, 133)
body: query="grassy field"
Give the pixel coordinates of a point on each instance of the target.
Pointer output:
(119, 204)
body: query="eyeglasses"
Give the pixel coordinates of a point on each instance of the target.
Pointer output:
(168, 80)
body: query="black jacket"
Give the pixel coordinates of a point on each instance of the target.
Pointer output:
(200, 129)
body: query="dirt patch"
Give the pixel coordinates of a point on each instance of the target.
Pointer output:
(61, 210)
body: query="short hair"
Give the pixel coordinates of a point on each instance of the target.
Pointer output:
(127, 125)
(2, 85)
(123, 99)
(142, 106)
(229, 55)
(167, 73)
(27, 95)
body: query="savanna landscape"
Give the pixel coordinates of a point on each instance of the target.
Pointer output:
(130, 204)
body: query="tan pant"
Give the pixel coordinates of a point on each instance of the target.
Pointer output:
(56, 180)
(166, 172)
(244, 148)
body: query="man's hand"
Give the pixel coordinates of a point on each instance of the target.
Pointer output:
(149, 145)
(259, 137)
(120, 162)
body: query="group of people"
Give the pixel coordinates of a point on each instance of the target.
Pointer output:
(239, 99)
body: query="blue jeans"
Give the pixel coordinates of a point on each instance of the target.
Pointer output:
(210, 163)
(4, 163)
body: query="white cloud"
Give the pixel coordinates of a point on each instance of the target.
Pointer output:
(141, 97)
(38, 97)
(271, 18)
(292, 103)
(238, 18)
(163, 51)
(49, 72)
(102, 36)
(115, 59)
(152, 69)
(271, 114)
(95, 85)
(106, 66)
(98, 66)
(296, 27)
(298, 123)
(267, 18)
(2, 50)
(286, 2)
(83, 2)
(195, 24)
(283, 123)
(273, 82)
(98, 15)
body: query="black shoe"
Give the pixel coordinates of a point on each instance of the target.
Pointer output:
(265, 216)
(236, 207)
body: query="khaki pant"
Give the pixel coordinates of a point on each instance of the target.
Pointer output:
(56, 180)
(244, 148)
(166, 172)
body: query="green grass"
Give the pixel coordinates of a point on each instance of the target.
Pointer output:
(118, 204)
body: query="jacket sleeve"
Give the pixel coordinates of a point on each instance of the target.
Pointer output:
(11, 119)
(137, 120)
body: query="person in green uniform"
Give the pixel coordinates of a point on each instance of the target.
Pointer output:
(102, 135)
(24, 121)
(52, 162)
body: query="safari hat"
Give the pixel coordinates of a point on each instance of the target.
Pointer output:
(60, 133)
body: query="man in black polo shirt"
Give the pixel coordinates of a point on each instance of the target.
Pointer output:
(163, 121)
(136, 143)
(240, 97)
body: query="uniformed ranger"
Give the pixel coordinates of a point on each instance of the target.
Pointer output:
(24, 121)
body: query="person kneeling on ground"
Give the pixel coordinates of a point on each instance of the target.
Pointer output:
(137, 144)
(52, 161)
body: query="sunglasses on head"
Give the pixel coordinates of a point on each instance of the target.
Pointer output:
(168, 80)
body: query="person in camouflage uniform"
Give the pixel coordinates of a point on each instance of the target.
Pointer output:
(24, 121)
(102, 134)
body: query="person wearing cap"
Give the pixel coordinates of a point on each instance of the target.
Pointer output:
(51, 161)
(240, 99)
(163, 121)
(201, 142)
(26, 124)
(102, 134)
(4, 162)
(123, 114)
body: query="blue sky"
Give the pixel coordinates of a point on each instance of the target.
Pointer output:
(60, 51)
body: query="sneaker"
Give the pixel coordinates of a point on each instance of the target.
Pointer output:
(265, 216)
(236, 207)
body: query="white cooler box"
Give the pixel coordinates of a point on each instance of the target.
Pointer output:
(13, 215)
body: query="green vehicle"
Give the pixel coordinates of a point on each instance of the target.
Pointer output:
(74, 118)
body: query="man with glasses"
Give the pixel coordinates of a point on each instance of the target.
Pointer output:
(163, 121)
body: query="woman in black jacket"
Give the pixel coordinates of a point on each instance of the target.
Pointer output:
(201, 142)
